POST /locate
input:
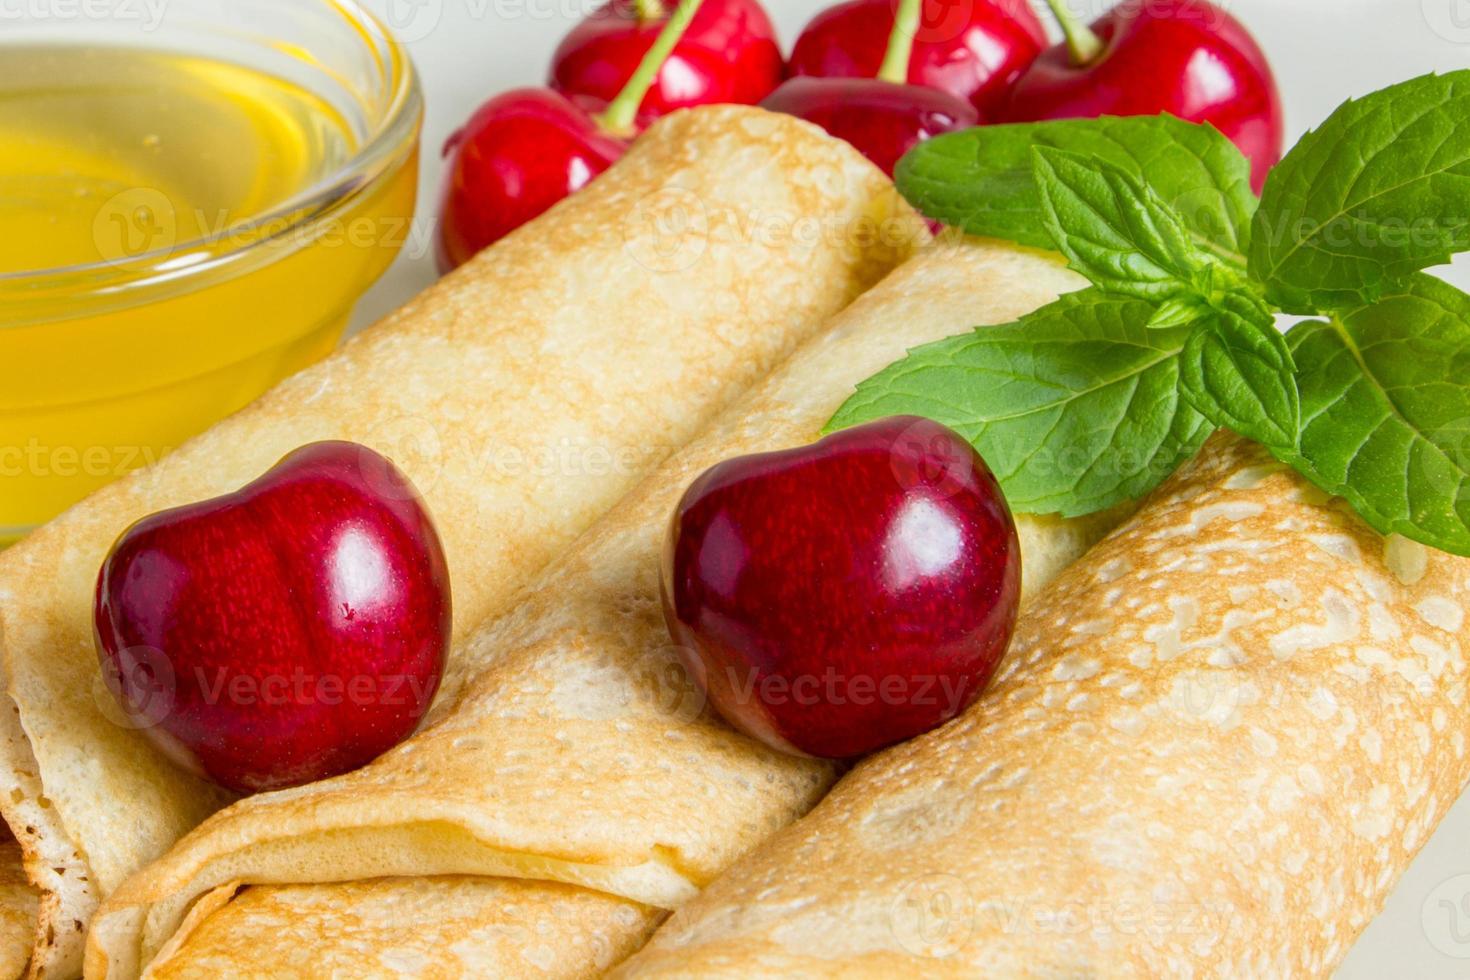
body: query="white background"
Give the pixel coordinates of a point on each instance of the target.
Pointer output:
(1323, 51)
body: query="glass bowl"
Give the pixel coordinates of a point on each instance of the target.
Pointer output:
(109, 363)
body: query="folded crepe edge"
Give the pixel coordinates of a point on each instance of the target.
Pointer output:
(442, 926)
(141, 917)
(19, 904)
(207, 905)
(55, 866)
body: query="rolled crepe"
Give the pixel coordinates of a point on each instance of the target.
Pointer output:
(18, 906)
(424, 928)
(579, 753)
(523, 396)
(1216, 742)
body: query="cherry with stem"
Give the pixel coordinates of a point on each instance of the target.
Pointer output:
(728, 54)
(1082, 43)
(974, 50)
(621, 113)
(884, 117)
(1188, 58)
(527, 149)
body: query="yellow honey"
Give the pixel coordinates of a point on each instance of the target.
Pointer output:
(162, 257)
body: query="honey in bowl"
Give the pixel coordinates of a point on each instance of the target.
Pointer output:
(176, 241)
(115, 152)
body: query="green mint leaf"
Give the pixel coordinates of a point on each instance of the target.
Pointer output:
(1179, 311)
(1114, 230)
(1237, 370)
(1076, 407)
(1379, 190)
(980, 179)
(1385, 397)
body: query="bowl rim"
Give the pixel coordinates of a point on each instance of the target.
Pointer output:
(381, 150)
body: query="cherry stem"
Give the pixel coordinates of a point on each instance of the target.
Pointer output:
(618, 118)
(895, 67)
(648, 10)
(1082, 43)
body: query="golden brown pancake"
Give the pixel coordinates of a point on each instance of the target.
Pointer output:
(523, 396)
(1216, 742)
(579, 753)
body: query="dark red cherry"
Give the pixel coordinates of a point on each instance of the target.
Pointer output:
(882, 119)
(1185, 57)
(846, 595)
(728, 54)
(290, 631)
(973, 50)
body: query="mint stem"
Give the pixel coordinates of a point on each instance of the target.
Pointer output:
(1082, 43)
(617, 119)
(1233, 259)
(895, 67)
(648, 10)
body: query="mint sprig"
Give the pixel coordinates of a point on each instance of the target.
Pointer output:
(1379, 190)
(980, 179)
(1114, 229)
(1048, 400)
(1386, 410)
(1098, 397)
(1238, 371)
